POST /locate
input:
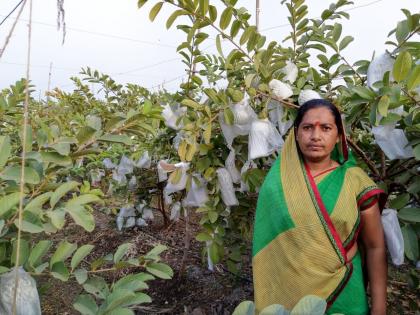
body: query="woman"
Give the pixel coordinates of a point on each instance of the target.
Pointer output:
(314, 207)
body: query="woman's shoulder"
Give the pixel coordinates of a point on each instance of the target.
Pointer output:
(360, 181)
(357, 173)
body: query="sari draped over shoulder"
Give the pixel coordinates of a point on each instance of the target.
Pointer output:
(303, 229)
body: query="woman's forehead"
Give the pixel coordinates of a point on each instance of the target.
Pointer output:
(320, 115)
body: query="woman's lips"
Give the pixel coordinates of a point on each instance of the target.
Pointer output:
(315, 147)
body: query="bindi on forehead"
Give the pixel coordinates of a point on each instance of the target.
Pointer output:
(318, 116)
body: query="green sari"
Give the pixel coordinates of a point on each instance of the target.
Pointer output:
(304, 229)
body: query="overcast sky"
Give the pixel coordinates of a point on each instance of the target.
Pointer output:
(116, 38)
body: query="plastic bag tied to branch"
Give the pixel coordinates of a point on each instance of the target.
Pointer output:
(264, 139)
(27, 300)
(226, 187)
(393, 236)
(197, 196)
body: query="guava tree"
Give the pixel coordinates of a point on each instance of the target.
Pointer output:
(263, 84)
(61, 133)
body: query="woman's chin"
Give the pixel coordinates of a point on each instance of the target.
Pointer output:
(314, 156)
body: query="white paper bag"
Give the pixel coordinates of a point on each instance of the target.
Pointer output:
(393, 236)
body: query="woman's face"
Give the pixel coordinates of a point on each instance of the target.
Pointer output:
(317, 134)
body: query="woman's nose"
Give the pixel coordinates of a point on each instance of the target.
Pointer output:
(316, 133)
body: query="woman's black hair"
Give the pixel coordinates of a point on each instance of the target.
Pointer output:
(316, 103)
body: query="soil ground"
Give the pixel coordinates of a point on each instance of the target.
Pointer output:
(198, 291)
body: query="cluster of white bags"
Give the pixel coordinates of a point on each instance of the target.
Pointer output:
(130, 216)
(243, 116)
(27, 299)
(126, 167)
(197, 194)
(393, 236)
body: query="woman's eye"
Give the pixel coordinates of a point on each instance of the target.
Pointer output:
(326, 128)
(306, 127)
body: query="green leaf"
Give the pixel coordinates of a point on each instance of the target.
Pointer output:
(28, 140)
(228, 116)
(411, 243)
(97, 286)
(212, 13)
(400, 201)
(309, 304)
(60, 271)
(64, 251)
(81, 275)
(131, 282)
(38, 251)
(274, 309)
(402, 31)
(214, 253)
(204, 7)
(155, 11)
(85, 135)
(82, 200)
(121, 311)
(57, 217)
(345, 41)
(56, 158)
(3, 269)
(61, 191)
(191, 103)
(24, 252)
(410, 214)
(160, 270)
(81, 216)
(13, 173)
(121, 251)
(416, 154)
(336, 32)
(8, 202)
(402, 66)
(117, 298)
(213, 215)
(234, 30)
(174, 16)
(219, 44)
(141, 3)
(245, 308)
(139, 298)
(80, 254)
(225, 18)
(28, 226)
(414, 78)
(156, 251)
(247, 34)
(38, 201)
(5, 150)
(116, 138)
(85, 304)
(364, 92)
(202, 237)
(383, 105)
